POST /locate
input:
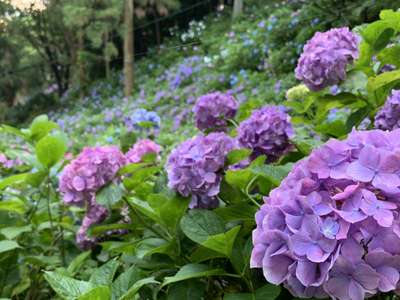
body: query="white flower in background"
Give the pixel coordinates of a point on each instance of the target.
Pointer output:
(34, 5)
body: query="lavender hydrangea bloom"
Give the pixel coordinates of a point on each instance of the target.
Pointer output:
(388, 118)
(331, 229)
(212, 110)
(325, 57)
(195, 168)
(83, 177)
(141, 148)
(266, 132)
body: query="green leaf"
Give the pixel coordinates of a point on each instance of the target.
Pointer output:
(239, 178)
(127, 140)
(13, 179)
(237, 155)
(13, 206)
(355, 83)
(13, 130)
(189, 289)
(191, 271)
(109, 195)
(267, 292)
(50, 149)
(105, 274)
(199, 224)
(275, 174)
(7, 245)
(383, 80)
(390, 56)
(124, 281)
(13, 232)
(41, 126)
(378, 34)
(77, 262)
(222, 242)
(98, 293)
(67, 287)
(137, 286)
(171, 211)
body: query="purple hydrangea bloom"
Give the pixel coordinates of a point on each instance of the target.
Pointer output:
(325, 57)
(266, 132)
(80, 180)
(141, 148)
(332, 229)
(212, 110)
(388, 118)
(195, 168)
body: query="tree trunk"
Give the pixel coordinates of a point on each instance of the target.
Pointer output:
(158, 33)
(128, 48)
(81, 63)
(237, 8)
(106, 54)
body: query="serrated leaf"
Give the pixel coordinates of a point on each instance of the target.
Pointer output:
(124, 281)
(13, 206)
(50, 150)
(13, 179)
(222, 242)
(237, 155)
(7, 245)
(137, 286)
(275, 174)
(77, 262)
(66, 287)
(104, 275)
(41, 126)
(14, 231)
(109, 195)
(98, 293)
(191, 271)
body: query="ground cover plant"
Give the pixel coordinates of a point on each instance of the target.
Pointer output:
(207, 184)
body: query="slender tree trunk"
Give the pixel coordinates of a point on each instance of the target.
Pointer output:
(237, 8)
(106, 54)
(81, 63)
(128, 48)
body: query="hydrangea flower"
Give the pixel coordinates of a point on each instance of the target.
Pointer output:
(325, 57)
(141, 115)
(331, 229)
(388, 118)
(195, 168)
(212, 111)
(266, 132)
(94, 168)
(141, 148)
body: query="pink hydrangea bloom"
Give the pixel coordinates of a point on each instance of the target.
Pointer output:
(141, 148)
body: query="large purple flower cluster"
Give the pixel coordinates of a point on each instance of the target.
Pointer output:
(332, 228)
(212, 111)
(83, 177)
(266, 132)
(325, 57)
(195, 166)
(388, 118)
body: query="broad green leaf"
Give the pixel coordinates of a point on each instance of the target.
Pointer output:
(171, 211)
(199, 224)
(104, 275)
(202, 254)
(222, 242)
(13, 206)
(390, 56)
(12, 232)
(109, 195)
(355, 83)
(124, 281)
(127, 140)
(66, 287)
(191, 271)
(50, 149)
(134, 289)
(7, 245)
(13, 130)
(383, 80)
(189, 289)
(98, 293)
(13, 179)
(41, 126)
(267, 292)
(378, 34)
(237, 155)
(77, 262)
(239, 211)
(275, 174)
(239, 178)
